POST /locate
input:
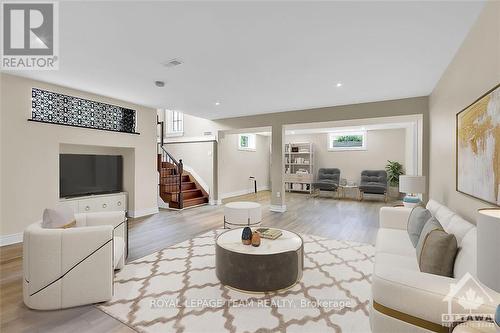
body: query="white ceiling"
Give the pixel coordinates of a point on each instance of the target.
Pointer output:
(257, 57)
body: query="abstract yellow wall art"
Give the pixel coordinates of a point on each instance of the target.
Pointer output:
(478, 148)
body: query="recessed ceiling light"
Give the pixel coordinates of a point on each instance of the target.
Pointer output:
(339, 84)
(160, 84)
(292, 132)
(217, 103)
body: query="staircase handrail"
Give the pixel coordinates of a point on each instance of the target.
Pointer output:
(178, 164)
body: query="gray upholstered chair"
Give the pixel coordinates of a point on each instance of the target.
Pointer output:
(328, 180)
(373, 182)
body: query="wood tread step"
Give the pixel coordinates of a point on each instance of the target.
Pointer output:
(191, 192)
(183, 191)
(190, 202)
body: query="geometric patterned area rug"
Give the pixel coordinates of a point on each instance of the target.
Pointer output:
(176, 290)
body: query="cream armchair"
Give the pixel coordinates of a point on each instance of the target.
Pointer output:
(70, 267)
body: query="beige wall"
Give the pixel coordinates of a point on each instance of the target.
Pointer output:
(197, 157)
(30, 154)
(474, 70)
(400, 107)
(235, 166)
(382, 145)
(194, 127)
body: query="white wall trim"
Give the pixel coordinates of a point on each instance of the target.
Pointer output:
(277, 208)
(11, 239)
(191, 139)
(142, 212)
(243, 192)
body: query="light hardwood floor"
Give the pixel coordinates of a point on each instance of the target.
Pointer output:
(338, 219)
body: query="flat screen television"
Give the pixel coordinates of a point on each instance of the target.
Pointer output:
(89, 174)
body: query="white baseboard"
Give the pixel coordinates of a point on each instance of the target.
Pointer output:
(277, 208)
(161, 203)
(142, 212)
(243, 192)
(11, 239)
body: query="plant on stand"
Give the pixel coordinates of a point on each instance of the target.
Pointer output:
(394, 170)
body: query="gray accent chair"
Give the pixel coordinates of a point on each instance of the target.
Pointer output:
(373, 182)
(328, 180)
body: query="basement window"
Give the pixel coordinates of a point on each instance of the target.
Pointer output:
(342, 141)
(174, 123)
(246, 142)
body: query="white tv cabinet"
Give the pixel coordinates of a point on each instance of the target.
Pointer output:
(96, 203)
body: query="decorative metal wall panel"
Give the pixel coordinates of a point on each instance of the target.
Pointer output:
(51, 107)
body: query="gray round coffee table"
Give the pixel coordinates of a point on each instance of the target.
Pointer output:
(274, 265)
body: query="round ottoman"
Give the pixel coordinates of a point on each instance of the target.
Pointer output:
(241, 214)
(274, 265)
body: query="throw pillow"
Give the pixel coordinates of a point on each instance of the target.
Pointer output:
(58, 218)
(416, 221)
(436, 250)
(432, 224)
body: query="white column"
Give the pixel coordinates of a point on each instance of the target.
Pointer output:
(277, 167)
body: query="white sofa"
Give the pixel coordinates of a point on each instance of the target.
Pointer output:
(69, 267)
(407, 300)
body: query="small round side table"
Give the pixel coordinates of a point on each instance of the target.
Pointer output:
(242, 214)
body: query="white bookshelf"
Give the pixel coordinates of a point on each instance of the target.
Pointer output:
(299, 167)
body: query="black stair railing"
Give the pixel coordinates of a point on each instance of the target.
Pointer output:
(171, 181)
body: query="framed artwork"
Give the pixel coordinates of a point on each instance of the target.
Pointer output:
(341, 141)
(478, 148)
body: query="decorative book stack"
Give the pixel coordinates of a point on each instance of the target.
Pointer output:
(269, 233)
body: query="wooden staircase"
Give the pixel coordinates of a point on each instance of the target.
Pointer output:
(177, 187)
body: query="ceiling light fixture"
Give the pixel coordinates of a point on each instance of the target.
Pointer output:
(172, 62)
(217, 103)
(160, 84)
(339, 84)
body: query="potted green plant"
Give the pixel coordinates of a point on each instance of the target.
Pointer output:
(394, 169)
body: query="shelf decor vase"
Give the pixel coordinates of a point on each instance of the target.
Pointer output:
(246, 236)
